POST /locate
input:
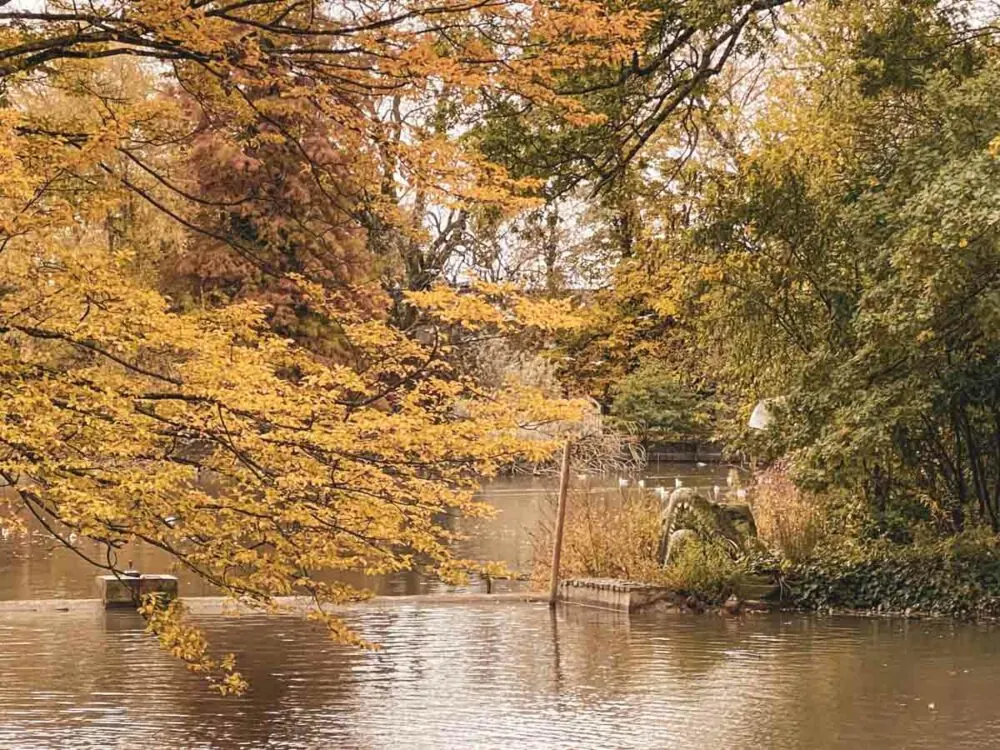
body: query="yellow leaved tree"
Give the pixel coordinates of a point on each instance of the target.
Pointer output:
(139, 137)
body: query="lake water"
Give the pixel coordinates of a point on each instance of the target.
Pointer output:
(491, 675)
(36, 567)
(507, 676)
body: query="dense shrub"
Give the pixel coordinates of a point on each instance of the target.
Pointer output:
(706, 570)
(957, 576)
(655, 400)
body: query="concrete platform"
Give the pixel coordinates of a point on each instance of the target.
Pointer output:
(610, 593)
(127, 591)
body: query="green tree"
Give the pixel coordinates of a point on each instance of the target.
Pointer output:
(850, 263)
(653, 398)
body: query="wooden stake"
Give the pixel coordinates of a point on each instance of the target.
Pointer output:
(560, 523)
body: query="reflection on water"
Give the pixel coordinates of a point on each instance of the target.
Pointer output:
(36, 567)
(491, 675)
(507, 676)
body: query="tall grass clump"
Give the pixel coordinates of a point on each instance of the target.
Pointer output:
(608, 534)
(788, 519)
(615, 534)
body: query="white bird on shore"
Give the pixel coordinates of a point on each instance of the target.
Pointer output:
(701, 464)
(678, 482)
(622, 482)
(641, 483)
(716, 489)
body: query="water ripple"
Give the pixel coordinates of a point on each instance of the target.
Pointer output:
(505, 676)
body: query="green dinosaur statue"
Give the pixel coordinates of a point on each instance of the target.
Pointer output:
(720, 519)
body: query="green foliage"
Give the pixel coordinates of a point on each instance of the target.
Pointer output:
(706, 570)
(655, 399)
(901, 42)
(653, 95)
(850, 264)
(957, 576)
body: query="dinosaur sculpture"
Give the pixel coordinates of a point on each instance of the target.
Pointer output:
(721, 519)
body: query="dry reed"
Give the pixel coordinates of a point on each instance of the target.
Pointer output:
(787, 518)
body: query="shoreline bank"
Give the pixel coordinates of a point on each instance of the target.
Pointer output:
(217, 605)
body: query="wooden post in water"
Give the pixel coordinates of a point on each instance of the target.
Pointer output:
(560, 522)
